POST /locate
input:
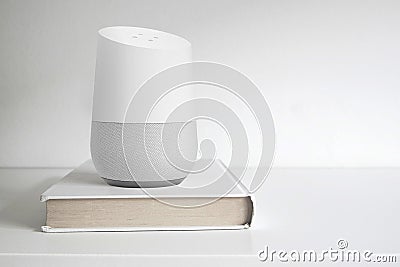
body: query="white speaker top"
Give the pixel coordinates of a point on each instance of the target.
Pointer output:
(126, 58)
(146, 38)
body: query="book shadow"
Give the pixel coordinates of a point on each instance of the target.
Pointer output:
(25, 209)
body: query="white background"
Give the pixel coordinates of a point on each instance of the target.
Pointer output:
(329, 69)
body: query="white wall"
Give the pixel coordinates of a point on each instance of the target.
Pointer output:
(329, 69)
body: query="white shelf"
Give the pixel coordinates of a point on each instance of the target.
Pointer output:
(295, 209)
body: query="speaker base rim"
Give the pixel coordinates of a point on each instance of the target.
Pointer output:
(144, 184)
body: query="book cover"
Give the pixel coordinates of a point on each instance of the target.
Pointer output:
(84, 183)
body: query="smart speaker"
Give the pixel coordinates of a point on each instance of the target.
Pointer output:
(126, 58)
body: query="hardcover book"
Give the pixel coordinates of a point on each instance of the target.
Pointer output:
(82, 201)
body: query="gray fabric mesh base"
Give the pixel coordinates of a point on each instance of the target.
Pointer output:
(108, 153)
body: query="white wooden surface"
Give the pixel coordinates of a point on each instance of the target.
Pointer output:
(296, 209)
